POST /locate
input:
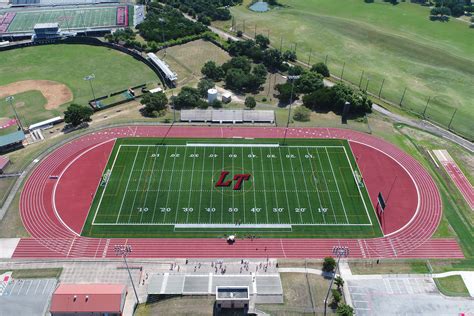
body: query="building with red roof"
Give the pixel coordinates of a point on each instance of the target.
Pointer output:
(88, 299)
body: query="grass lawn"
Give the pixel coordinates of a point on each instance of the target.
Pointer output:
(397, 44)
(306, 188)
(69, 64)
(181, 305)
(388, 267)
(452, 286)
(30, 108)
(35, 273)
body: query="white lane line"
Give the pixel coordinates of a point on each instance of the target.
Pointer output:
(126, 188)
(337, 186)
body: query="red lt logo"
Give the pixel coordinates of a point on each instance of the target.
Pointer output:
(239, 177)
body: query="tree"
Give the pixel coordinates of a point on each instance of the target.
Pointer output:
(262, 41)
(212, 71)
(302, 114)
(77, 114)
(336, 297)
(240, 62)
(289, 55)
(339, 282)
(236, 79)
(154, 103)
(260, 72)
(321, 68)
(187, 98)
(285, 92)
(320, 100)
(250, 102)
(329, 264)
(203, 86)
(272, 58)
(295, 70)
(309, 82)
(344, 310)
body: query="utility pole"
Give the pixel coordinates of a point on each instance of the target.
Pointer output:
(381, 86)
(426, 106)
(90, 78)
(339, 252)
(361, 76)
(342, 72)
(10, 99)
(452, 117)
(403, 96)
(292, 78)
(124, 250)
(309, 59)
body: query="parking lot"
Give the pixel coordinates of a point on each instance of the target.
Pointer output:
(27, 297)
(404, 296)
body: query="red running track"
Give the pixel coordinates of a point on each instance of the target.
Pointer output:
(408, 228)
(461, 181)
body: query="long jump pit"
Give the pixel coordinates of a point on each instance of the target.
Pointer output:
(56, 200)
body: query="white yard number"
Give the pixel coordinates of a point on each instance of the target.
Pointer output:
(322, 209)
(277, 209)
(232, 156)
(165, 209)
(194, 155)
(174, 155)
(300, 210)
(291, 156)
(143, 209)
(308, 156)
(187, 209)
(210, 209)
(155, 155)
(271, 156)
(212, 155)
(255, 209)
(233, 210)
(252, 156)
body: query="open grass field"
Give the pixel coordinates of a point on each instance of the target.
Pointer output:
(67, 17)
(304, 188)
(69, 64)
(187, 59)
(395, 44)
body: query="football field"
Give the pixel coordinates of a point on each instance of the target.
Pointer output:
(179, 187)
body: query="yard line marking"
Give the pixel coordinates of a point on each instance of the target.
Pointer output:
(264, 185)
(232, 159)
(222, 190)
(284, 184)
(212, 183)
(296, 187)
(126, 188)
(263, 170)
(106, 184)
(159, 184)
(358, 187)
(190, 186)
(337, 186)
(138, 184)
(254, 189)
(274, 182)
(306, 186)
(180, 183)
(149, 183)
(326, 183)
(243, 193)
(202, 179)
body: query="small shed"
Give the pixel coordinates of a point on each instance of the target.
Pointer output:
(226, 97)
(232, 297)
(88, 299)
(4, 161)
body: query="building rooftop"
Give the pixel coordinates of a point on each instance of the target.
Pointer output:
(232, 292)
(88, 298)
(46, 25)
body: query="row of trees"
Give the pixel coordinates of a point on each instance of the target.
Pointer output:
(204, 11)
(329, 266)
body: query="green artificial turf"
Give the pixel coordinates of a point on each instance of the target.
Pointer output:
(304, 188)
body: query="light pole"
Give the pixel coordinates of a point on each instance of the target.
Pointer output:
(10, 99)
(90, 78)
(292, 78)
(338, 251)
(124, 250)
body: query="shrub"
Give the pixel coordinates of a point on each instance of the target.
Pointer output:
(321, 68)
(329, 264)
(302, 114)
(250, 102)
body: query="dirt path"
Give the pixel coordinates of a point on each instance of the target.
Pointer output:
(55, 93)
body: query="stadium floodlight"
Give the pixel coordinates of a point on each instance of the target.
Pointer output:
(124, 251)
(10, 99)
(339, 252)
(293, 79)
(90, 78)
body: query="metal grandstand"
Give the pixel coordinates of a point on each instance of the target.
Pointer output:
(169, 74)
(228, 116)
